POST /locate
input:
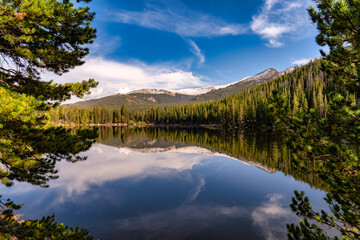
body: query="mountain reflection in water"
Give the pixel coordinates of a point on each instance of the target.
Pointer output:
(154, 183)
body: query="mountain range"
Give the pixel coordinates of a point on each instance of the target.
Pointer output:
(149, 97)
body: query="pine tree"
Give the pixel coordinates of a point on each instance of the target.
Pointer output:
(35, 36)
(124, 114)
(327, 143)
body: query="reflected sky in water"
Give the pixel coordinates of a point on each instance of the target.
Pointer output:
(172, 192)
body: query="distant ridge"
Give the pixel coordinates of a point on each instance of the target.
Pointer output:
(185, 91)
(147, 97)
(240, 86)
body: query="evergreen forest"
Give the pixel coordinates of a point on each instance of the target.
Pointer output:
(304, 88)
(314, 110)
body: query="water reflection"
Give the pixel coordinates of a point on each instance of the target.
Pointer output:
(266, 151)
(115, 164)
(174, 184)
(266, 216)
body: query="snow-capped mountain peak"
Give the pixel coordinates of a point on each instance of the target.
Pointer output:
(124, 90)
(185, 91)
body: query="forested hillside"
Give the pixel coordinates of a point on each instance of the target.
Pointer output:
(304, 88)
(240, 86)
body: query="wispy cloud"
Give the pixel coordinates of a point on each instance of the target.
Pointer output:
(196, 51)
(302, 61)
(278, 19)
(270, 3)
(114, 76)
(104, 45)
(194, 193)
(179, 19)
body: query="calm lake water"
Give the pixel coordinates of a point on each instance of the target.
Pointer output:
(174, 184)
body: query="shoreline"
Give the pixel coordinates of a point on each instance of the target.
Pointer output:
(175, 125)
(207, 126)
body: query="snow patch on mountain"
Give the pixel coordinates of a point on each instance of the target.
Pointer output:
(124, 90)
(152, 91)
(194, 91)
(185, 91)
(267, 74)
(200, 151)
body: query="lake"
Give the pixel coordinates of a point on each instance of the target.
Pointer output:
(157, 183)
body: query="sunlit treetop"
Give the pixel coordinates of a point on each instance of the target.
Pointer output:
(43, 35)
(36, 36)
(338, 22)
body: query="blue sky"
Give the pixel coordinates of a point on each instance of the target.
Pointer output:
(172, 44)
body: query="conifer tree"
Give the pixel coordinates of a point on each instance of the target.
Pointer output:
(328, 144)
(35, 36)
(124, 114)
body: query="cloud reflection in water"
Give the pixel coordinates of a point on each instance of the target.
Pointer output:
(107, 164)
(161, 193)
(272, 216)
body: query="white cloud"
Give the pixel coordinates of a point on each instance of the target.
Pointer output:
(196, 51)
(302, 61)
(272, 216)
(282, 18)
(114, 75)
(120, 164)
(116, 164)
(179, 19)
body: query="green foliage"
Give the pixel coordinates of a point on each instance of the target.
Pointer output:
(307, 231)
(344, 217)
(316, 105)
(35, 36)
(45, 228)
(238, 87)
(83, 116)
(338, 25)
(124, 114)
(43, 35)
(29, 149)
(263, 149)
(329, 145)
(306, 87)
